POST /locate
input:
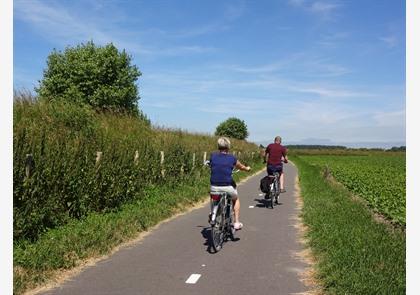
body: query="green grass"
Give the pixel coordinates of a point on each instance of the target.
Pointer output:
(354, 254)
(68, 246)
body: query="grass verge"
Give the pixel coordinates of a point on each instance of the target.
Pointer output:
(354, 254)
(72, 245)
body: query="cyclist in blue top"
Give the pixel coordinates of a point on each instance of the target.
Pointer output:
(222, 164)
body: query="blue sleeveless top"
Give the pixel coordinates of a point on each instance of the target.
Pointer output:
(221, 168)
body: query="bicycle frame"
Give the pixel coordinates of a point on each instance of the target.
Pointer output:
(274, 190)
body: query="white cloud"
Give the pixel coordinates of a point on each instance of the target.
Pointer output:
(267, 68)
(322, 8)
(234, 10)
(393, 118)
(296, 2)
(391, 40)
(63, 26)
(319, 112)
(333, 40)
(199, 30)
(237, 105)
(341, 122)
(301, 64)
(23, 78)
(332, 92)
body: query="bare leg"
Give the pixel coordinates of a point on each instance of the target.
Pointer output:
(282, 181)
(236, 207)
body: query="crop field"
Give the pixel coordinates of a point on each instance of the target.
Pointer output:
(377, 177)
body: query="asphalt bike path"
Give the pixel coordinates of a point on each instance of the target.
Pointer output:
(175, 258)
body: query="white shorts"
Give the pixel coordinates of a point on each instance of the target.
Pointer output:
(229, 189)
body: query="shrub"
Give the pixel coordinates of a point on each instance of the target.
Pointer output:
(234, 128)
(98, 76)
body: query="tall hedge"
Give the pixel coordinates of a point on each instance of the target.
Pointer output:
(66, 181)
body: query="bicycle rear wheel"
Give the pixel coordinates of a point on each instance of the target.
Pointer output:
(272, 196)
(217, 234)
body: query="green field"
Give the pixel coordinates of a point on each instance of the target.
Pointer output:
(353, 252)
(379, 178)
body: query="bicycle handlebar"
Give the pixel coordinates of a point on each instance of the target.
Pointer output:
(283, 160)
(207, 163)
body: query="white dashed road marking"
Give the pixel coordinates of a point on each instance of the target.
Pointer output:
(251, 206)
(193, 278)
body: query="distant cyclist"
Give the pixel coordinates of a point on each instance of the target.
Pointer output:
(222, 164)
(275, 155)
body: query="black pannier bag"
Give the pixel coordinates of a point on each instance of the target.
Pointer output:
(265, 184)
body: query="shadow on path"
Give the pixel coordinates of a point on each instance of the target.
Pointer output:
(206, 234)
(263, 203)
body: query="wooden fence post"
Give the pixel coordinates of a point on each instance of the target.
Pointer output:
(327, 171)
(193, 164)
(252, 155)
(162, 160)
(98, 158)
(204, 158)
(29, 165)
(136, 157)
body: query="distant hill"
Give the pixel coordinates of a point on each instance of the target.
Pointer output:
(326, 142)
(308, 146)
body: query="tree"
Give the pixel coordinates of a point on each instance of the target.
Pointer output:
(232, 127)
(99, 76)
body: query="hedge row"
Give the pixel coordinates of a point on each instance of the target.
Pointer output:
(58, 174)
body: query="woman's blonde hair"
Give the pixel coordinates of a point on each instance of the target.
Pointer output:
(223, 143)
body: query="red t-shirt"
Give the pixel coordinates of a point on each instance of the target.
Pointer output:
(275, 152)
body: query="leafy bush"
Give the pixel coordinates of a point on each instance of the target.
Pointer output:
(232, 127)
(98, 76)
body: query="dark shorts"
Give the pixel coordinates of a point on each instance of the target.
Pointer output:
(274, 168)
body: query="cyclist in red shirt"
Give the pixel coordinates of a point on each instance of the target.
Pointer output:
(275, 155)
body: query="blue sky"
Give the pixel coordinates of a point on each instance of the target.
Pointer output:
(304, 69)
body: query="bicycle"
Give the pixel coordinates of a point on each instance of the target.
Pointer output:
(274, 191)
(221, 219)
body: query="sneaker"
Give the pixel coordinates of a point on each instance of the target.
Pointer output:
(237, 225)
(266, 196)
(282, 190)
